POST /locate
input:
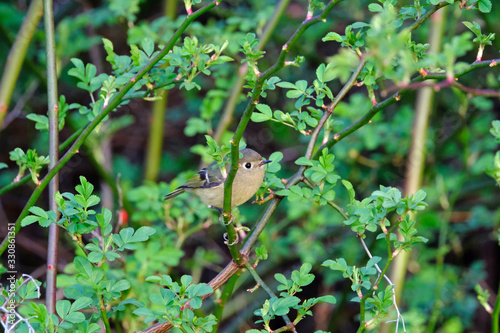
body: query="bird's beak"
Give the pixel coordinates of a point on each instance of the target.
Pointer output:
(264, 162)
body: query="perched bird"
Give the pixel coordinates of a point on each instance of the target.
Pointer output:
(208, 183)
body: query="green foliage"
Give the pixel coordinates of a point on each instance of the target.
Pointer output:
(366, 216)
(94, 286)
(480, 38)
(483, 297)
(249, 47)
(281, 306)
(322, 174)
(172, 304)
(29, 160)
(42, 121)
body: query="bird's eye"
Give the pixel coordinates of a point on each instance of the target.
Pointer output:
(248, 165)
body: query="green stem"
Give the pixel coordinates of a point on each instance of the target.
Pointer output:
(53, 114)
(17, 54)
(104, 314)
(155, 140)
(259, 280)
(495, 316)
(115, 102)
(427, 15)
(226, 292)
(34, 68)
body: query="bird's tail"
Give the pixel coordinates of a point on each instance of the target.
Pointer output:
(174, 193)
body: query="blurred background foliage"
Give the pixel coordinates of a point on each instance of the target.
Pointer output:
(461, 221)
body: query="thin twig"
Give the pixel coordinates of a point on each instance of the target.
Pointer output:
(399, 316)
(268, 290)
(53, 115)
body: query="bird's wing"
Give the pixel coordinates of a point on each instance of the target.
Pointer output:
(207, 177)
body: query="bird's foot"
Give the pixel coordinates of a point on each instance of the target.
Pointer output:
(223, 221)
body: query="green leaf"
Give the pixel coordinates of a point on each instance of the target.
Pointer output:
(374, 260)
(75, 317)
(41, 121)
(29, 220)
(62, 308)
(332, 36)
(83, 265)
(265, 113)
(484, 6)
(195, 302)
(375, 7)
(304, 161)
(142, 234)
(121, 285)
(281, 278)
(495, 130)
(261, 252)
(186, 280)
(80, 303)
(38, 211)
(473, 26)
(286, 85)
(95, 257)
(143, 312)
(327, 299)
(148, 46)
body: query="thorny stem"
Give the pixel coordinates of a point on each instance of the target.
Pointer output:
(53, 114)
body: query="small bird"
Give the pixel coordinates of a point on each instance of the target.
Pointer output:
(208, 183)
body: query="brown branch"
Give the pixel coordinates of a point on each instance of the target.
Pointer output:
(418, 81)
(473, 92)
